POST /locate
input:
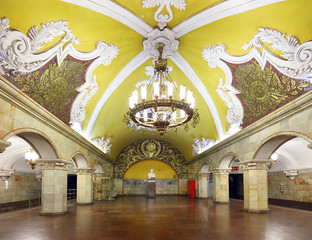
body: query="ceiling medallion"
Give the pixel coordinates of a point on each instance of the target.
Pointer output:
(159, 109)
(161, 18)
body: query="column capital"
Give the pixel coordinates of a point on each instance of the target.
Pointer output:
(84, 170)
(221, 170)
(53, 164)
(3, 145)
(203, 174)
(257, 164)
(5, 173)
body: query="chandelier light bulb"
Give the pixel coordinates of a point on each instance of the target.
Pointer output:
(154, 117)
(170, 89)
(189, 96)
(182, 114)
(143, 92)
(174, 116)
(156, 89)
(182, 92)
(135, 96)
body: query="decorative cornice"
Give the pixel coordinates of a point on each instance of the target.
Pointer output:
(291, 173)
(257, 164)
(159, 17)
(5, 174)
(84, 171)
(224, 171)
(302, 102)
(3, 145)
(12, 95)
(54, 164)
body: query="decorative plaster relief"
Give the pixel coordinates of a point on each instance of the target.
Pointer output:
(103, 144)
(5, 174)
(19, 54)
(202, 145)
(296, 62)
(161, 18)
(167, 37)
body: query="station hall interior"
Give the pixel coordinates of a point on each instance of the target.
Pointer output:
(149, 109)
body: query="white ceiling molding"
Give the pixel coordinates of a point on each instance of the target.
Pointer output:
(190, 73)
(166, 36)
(103, 54)
(214, 56)
(103, 144)
(115, 11)
(19, 51)
(159, 17)
(219, 11)
(297, 63)
(137, 61)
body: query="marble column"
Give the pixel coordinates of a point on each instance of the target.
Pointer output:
(84, 186)
(256, 185)
(202, 185)
(54, 186)
(221, 185)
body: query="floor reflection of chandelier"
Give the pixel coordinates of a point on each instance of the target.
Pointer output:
(158, 107)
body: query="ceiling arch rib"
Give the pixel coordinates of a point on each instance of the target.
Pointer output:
(137, 61)
(190, 73)
(113, 10)
(219, 11)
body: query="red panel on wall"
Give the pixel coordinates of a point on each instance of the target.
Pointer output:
(191, 186)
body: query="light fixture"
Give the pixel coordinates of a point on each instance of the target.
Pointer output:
(160, 106)
(31, 158)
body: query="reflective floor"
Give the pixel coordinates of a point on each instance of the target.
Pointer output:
(161, 218)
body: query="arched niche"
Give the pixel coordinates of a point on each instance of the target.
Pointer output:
(205, 168)
(291, 151)
(150, 149)
(80, 161)
(21, 141)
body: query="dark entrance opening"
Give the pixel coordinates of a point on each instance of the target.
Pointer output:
(236, 186)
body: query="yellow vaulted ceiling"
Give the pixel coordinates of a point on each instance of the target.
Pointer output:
(89, 26)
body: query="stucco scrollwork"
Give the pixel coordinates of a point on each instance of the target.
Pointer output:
(202, 145)
(150, 149)
(103, 144)
(161, 18)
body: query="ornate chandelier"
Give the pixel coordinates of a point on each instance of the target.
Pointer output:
(158, 107)
(31, 158)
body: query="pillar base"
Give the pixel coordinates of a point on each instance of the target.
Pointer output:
(53, 214)
(221, 202)
(91, 203)
(256, 211)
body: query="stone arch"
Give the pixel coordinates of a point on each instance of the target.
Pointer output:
(292, 151)
(228, 159)
(21, 141)
(205, 168)
(39, 141)
(80, 160)
(150, 149)
(98, 168)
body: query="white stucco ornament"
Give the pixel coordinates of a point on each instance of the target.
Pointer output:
(202, 145)
(161, 18)
(167, 37)
(103, 144)
(295, 62)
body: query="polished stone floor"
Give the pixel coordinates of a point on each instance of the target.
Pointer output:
(163, 218)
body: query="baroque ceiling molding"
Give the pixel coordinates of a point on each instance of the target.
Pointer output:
(103, 144)
(161, 18)
(202, 145)
(295, 63)
(217, 12)
(167, 37)
(113, 10)
(19, 54)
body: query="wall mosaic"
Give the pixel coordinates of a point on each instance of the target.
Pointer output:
(150, 149)
(264, 90)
